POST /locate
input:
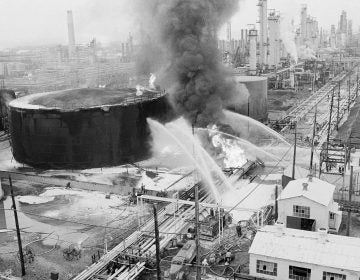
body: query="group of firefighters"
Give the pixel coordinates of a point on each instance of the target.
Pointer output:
(212, 260)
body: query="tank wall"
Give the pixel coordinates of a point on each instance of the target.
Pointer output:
(86, 138)
(257, 99)
(6, 96)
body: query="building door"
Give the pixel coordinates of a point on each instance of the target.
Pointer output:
(332, 220)
(300, 223)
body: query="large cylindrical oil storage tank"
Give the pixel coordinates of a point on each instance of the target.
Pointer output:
(255, 105)
(84, 128)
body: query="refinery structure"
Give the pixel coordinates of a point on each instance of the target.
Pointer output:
(189, 149)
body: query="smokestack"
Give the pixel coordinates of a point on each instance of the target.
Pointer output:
(305, 186)
(71, 33)
(252, 52)
(228, 36)
(292, 77)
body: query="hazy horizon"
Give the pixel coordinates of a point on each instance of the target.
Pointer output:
(43, 22)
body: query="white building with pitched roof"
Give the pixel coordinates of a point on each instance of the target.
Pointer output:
(283, 253)
(308, 204)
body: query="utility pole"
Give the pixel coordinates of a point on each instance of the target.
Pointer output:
(157, 243)
(313, 140)
(330, 117)
(276, 202)
(357, 81)
(338, 110)
(248, 114)
(197, 232)
(350, 194)
(294, 156)
(349, 100)
(17, 229)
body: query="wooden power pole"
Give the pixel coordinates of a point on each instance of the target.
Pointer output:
(294, 156)
(313, 140)
(17, 229)
(350, 194)
(197, 232)
(157, 243)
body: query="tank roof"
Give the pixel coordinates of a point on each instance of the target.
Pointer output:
(81, 98)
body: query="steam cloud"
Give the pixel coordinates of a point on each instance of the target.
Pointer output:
(287, 34)
(182, 40)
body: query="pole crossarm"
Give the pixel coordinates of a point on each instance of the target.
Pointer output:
(192, 203)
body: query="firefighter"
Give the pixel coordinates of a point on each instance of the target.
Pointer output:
(212, 258)
(204, 266)
(238, 230)
(227, 258)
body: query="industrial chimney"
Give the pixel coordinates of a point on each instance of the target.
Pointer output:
(252, 51)
(71, 33)
(228, 36)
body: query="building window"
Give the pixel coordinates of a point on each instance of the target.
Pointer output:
(332, 216)
(333, 276)
(268, 268)
(299, 273)
(301, 211)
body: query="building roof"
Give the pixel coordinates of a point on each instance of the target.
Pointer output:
(317, 190)
(337, 251)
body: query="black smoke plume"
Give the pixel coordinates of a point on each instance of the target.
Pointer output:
(184, 32)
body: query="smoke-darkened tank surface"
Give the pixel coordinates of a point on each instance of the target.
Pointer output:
(256, 105)
(6, 96)
(84, 128)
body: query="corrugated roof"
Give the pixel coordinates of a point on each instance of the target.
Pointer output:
(305, 247)
(317, 190)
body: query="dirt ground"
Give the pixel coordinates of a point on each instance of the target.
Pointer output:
(280, 101)
(354, 225)
(46, 260)
(50, 257)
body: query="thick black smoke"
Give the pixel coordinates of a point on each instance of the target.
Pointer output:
(185, 32)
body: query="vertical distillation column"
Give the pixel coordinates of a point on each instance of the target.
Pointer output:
(263, 31)
(71, 33)
(252, 51)
(274, 40)
(303, 24)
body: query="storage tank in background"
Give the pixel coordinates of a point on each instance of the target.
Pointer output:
(256, 106)
(84, 128)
